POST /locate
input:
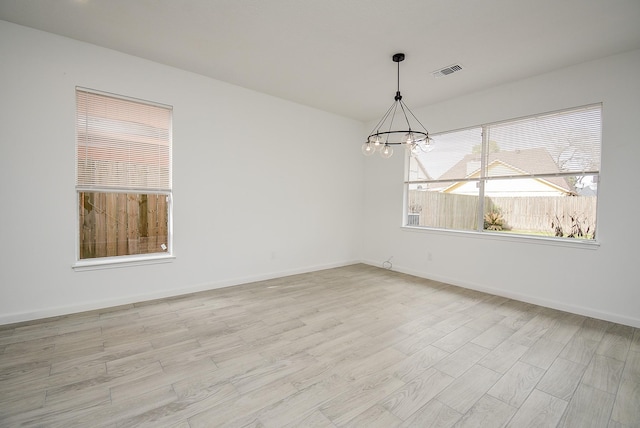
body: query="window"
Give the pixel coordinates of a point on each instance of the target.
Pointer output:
(123, 176)
(531, 176)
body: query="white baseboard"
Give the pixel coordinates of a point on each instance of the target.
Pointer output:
(127, 300)
(553, 304)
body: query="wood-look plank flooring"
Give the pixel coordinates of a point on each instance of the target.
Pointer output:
(356, 346)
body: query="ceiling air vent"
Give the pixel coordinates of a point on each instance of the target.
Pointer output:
(447, 70)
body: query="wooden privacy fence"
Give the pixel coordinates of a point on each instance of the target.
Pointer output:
(531, 214)
(118, 224)
(444, 210)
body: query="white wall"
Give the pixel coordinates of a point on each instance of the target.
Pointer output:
(259, 190)
(601, 282)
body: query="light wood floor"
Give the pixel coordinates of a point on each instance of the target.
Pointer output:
(353, 346)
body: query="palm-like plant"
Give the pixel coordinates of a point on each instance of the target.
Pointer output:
(493, 221)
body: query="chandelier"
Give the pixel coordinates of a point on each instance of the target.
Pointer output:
(384, 136)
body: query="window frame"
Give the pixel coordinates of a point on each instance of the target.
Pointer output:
(480, 232)
(107, 262)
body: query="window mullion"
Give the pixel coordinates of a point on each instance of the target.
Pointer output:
(483, 173)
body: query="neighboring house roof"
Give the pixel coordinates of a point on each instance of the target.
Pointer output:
(516, 162)
(422, 173)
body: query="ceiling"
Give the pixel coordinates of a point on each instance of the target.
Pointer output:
(335, 55)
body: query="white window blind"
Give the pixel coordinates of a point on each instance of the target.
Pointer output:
(445, 161)
(122, 143)
(556, 143)
(559, 143)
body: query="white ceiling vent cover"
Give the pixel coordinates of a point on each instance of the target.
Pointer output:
(447, 71)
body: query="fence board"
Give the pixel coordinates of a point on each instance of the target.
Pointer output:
(121, 215)
(101, 224)
(152, 227)
(133, 209)
(163, 229)
(111, 224)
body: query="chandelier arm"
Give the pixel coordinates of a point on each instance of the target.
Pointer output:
(376, 129)
(414, 116)
(393, 116)
(402, 106)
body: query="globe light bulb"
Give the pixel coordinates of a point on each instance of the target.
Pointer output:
(386, 152)
(408, 138)
(376, 140)
(428, 144)
(368, 149)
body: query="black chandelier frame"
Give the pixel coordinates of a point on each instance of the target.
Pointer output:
(383, 136)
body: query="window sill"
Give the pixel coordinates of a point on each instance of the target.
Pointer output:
(123, 261)
(538, 240)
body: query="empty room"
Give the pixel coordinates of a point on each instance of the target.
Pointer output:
(319, 213)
